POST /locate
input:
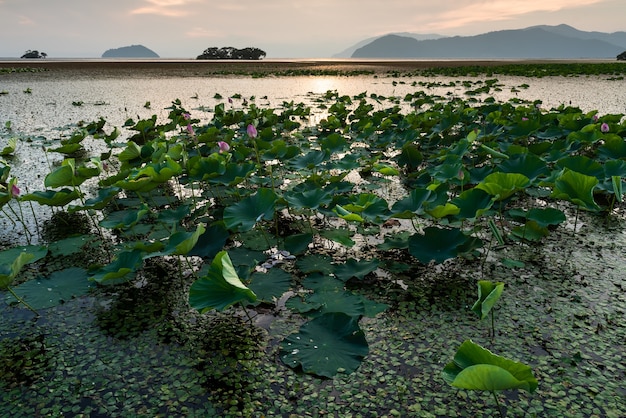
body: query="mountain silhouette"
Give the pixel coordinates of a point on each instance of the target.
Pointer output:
(546, 42)
(132, 51)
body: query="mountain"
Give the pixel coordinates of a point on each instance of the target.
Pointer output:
(347, 53)
(546, 42)
(132, 51)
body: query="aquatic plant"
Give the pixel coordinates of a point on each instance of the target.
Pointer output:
(476, 368)
(488, 294)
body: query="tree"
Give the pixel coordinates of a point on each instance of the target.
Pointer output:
(622, 56)
(34, 54)
(231, 53)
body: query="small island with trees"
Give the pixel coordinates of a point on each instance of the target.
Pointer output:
(230, 53)
(34, 54)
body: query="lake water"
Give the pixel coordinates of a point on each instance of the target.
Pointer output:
(44, 107)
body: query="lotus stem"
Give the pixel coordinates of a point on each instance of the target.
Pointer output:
(493, 392)
(22, 301)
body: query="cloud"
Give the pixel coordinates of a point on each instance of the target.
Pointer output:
(199, 32)
(167, 8)
(500, 10)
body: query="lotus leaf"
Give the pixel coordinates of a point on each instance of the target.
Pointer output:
(245, 214)
(576, 188)
(60, 287)
(270, 286)
(125, 263)
(220, 287)
(503, 185)
(53, 197)
(13, 259)
(353, 268)
(326, 345)
(488, 295)
(440, 244)
(476, 368)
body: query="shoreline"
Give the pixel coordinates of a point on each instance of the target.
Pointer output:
(224, 67)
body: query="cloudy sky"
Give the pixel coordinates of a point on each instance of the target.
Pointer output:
(282, 28)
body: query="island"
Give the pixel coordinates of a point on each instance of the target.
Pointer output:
(230, 53)
(132, 51)
(34, 54)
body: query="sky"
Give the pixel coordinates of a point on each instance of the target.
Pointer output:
(282, 28)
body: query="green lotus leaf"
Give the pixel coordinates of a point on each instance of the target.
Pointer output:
(60, 287)
(233, 174)
(342, 236)
(369, 206)
(583, 165)
(174, 216)
(211, 241)
(272, 285)
(576, 188)
(205, 168)
(124, 218)
(326, 345)
(334, 143)
(104, 197)
(53, 197)
(315, 264)
(527, 164)
(355, 268)
(70, 245)
(13, 259)
(245, 214)
(488, 295)
(531, 231)
(386, 169)
(439, 244)
(9, 148)
(442, 211)
(546, 216)
(476, 368)
(125, 263)
(503, 185)
(182, 242)
(309, 199)
(347, 215)
(298, 243)
(220, 287)
(412, 204)
(410, 157)
(310, 160)
(62, 176)
(472, 204)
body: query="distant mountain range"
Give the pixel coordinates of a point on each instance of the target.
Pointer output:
(347, 53)
(132, 51)
(543, 42)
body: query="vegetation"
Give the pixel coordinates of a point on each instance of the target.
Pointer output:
(230, 53)
(318, 228)
(34, 54)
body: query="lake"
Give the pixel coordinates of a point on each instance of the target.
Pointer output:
(141, 348)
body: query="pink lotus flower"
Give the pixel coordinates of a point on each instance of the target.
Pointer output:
(595, 117)
(230, 100)
(223, 146)
(252, 133)
(524, 118)
(15, 191)
(604, 127)
(190, 129)
(186, 116)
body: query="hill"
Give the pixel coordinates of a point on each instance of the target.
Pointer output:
(347, 53)
(546, 42)
(132, 51)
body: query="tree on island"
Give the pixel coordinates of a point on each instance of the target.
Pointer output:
(230, 53)
(622, 56)
(34, 54)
